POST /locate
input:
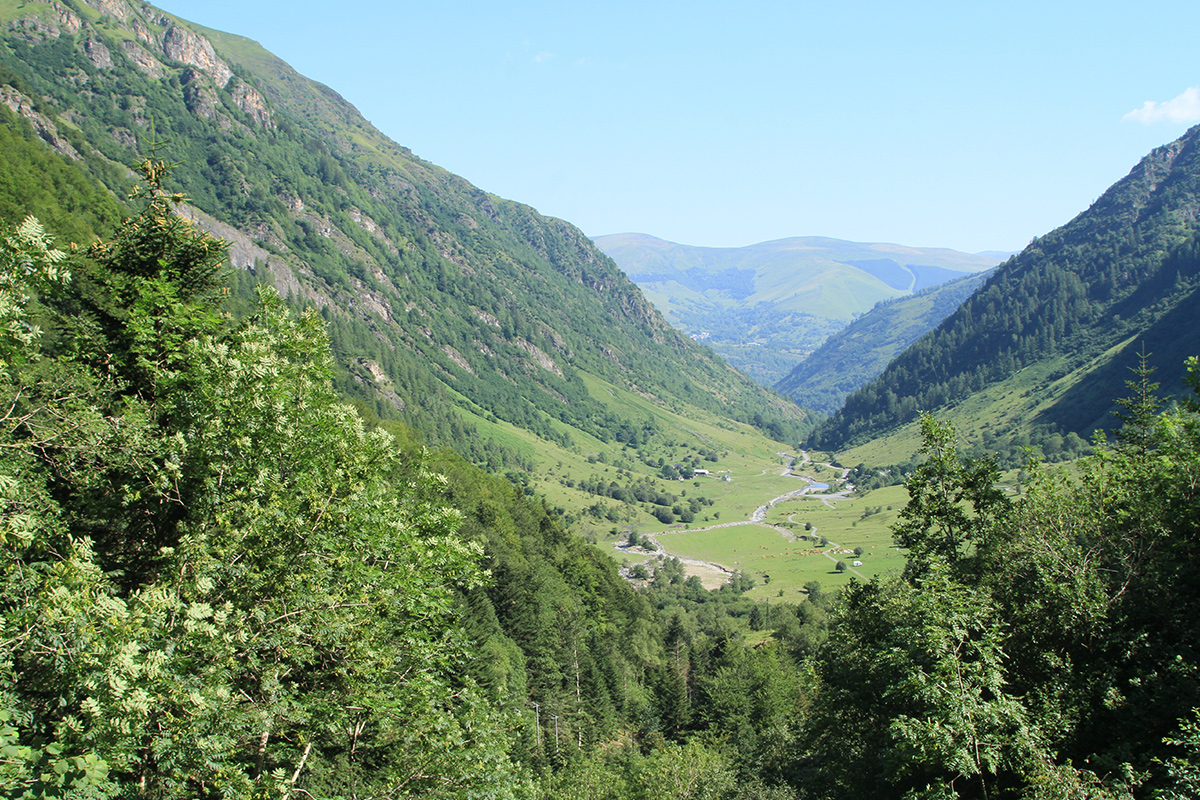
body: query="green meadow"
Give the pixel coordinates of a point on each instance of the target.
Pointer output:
(781, 565)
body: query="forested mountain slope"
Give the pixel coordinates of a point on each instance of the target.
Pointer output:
(216, 580)
(862, 350)
(447, 306)
(765, 306)
(1080, 301)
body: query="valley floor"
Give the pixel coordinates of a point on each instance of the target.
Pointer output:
(772, 531)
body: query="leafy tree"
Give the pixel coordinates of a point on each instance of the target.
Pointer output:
(952, 501)
(1183, 771)
(1040, 647)
(216, 579)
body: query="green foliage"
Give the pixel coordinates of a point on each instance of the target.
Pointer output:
(1029, 637)
(68, 197)
(469, 307)
(218, 579)
(1183, 771)
(692, 771)
(765, 307)
(214, 579)
(935, 526)
(913, 693)
(854, 355)
(28, 265)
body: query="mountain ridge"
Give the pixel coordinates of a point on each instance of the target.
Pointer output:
(1100, 282)
(451, 310)
(860, 351)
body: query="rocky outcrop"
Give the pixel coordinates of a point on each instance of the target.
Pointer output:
(199, 94)
(544, 361)
(180, 44)
(244, 253)
(125, 138)
(369, 225)
(368, 301)
(250, 101)
(143, 59)
(364, 222)
(457, 358)
(118, 9)
(98, 53)
(66, 18)
(60, 20)
(144, 33)
(45, 128)
(485, 317)
(377, 378)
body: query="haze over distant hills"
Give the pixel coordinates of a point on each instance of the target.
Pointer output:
(766, 306)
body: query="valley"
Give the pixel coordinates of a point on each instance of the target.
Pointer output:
(327, 473)
(765, 307)
(780, 552)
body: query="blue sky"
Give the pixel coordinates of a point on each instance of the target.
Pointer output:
(975, 126)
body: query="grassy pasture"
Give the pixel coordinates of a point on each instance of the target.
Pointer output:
(790, 563)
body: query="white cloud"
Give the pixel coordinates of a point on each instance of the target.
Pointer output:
(543, 56)
(1184, 108)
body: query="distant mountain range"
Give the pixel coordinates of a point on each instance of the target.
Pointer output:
(765, 307)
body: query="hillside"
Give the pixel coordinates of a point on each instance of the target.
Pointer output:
(1052, 334)
(765, 307)
(860, 351)
(470, 320)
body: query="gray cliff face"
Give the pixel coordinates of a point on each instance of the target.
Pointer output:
(200, 94)
(249, 100)
(43, 125)
(114, 8)
(158, 47)
(143, 59)
(60, 20)
(98, 53)
(180, 44)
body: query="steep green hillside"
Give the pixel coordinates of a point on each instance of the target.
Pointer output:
(474, 321)
(216, 580)
(862, 350)
(766, 306)
(1063, 320)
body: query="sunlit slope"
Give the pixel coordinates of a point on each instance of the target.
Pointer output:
(1079, 303)
(470, 320)
(862, 350)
